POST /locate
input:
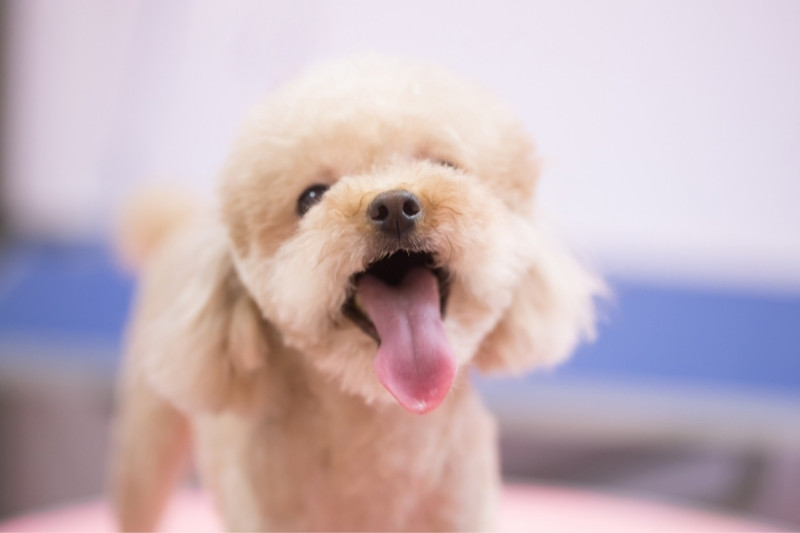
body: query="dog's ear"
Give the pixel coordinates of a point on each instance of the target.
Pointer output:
(552, 309)
(199, 337)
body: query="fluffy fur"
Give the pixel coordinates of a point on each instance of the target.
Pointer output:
(239, 343)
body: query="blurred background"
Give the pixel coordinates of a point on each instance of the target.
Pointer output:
(670, 133)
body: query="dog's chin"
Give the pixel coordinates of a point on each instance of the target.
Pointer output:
(400, 301)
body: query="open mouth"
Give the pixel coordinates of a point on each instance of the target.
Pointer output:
(400, 302)
(392, 271)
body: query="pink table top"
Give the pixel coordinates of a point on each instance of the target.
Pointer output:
(523, 508)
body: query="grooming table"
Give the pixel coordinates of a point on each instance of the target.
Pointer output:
(523, 508)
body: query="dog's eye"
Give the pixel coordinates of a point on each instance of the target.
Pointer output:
(310, 196)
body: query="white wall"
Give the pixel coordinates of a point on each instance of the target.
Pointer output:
(670, 130)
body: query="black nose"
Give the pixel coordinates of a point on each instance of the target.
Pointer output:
(394, 212)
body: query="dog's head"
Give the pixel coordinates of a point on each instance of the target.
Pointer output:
(381, 217)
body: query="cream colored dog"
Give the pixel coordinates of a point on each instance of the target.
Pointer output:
(376, 238)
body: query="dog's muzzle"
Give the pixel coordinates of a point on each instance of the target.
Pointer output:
(399, 300)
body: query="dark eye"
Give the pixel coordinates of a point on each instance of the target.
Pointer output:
(310, 196)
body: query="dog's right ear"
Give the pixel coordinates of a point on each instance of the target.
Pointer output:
(198, 336)
(551, 311)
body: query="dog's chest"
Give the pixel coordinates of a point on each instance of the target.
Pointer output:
(351, 466)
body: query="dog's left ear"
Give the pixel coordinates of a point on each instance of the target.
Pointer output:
(198, 336)
(552, 310)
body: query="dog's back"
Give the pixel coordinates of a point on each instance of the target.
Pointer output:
(151, 436)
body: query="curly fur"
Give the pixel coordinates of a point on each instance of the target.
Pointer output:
(239, 327)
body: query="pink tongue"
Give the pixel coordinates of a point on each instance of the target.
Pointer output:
(414, 362)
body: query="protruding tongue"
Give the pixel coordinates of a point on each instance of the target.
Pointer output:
(415, 361)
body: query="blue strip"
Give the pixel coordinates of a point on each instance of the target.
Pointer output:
(696, 335)
(54, 291)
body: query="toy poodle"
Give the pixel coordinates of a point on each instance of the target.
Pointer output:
(311, 338)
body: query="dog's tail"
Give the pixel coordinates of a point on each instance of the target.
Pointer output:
(151, 437)
(147, 219)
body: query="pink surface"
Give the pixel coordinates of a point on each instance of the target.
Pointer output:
(524, 508)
